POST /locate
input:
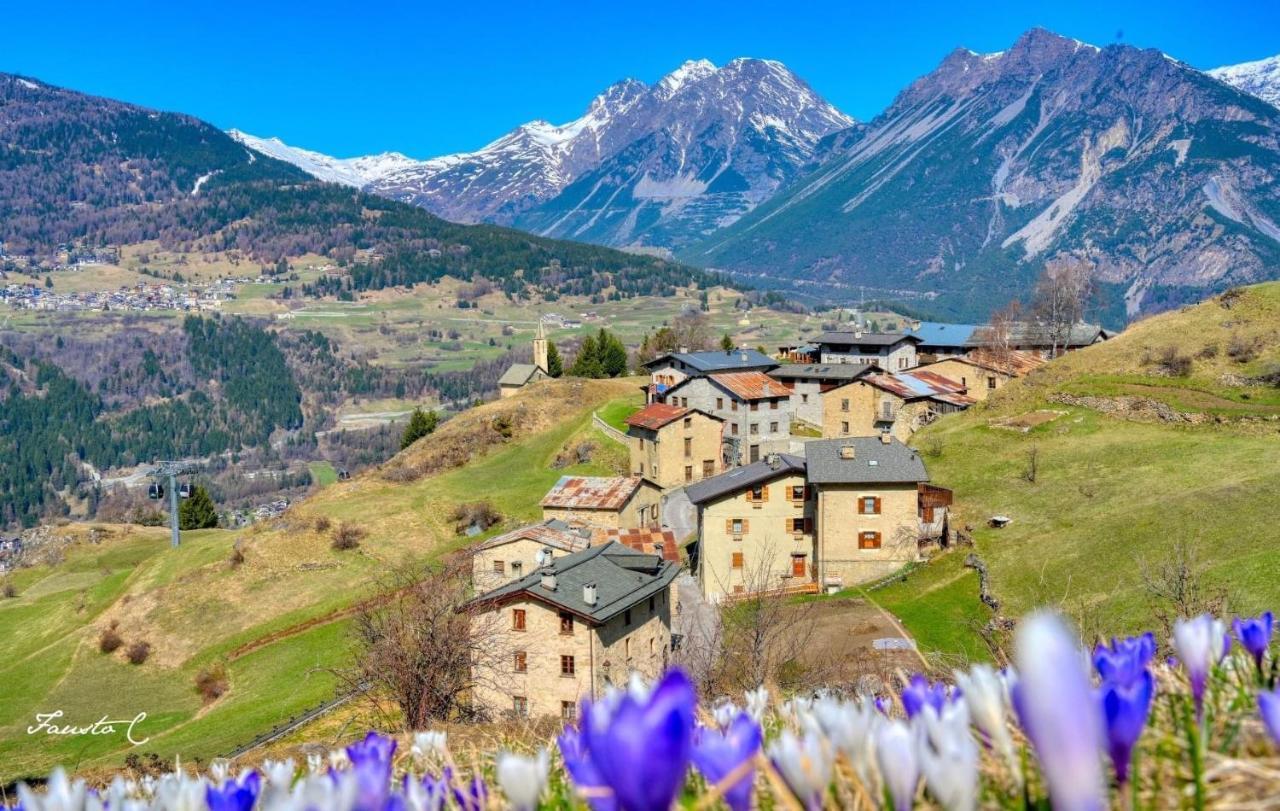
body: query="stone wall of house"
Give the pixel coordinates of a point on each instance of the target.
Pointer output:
(978, 382)
(641, 510)
(518, 558)
(543, 686)
(771, 418)
(844, 559)
(642, 645)
(682, 451)
(766, 540)
(806, 401)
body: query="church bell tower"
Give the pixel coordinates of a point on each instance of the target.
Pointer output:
(540, 348)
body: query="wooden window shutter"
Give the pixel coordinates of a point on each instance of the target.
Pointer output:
(862, 506)
(728, 525)
(877, 505)
(764, 493)
(808, 524)
(746, 526)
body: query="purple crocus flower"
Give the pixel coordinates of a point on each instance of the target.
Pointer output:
(1125, 709)
(371, 769)
(718, 754)
(1124, 660)
(920, 693)
(1254, 634)
(472, 796)
(585, 775)
(640, 746)
(1269, 709)
(1059, 713)
(233, 795)
(1199, 643)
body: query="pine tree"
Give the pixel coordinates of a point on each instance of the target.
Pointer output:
(613, 354)
(555, 365)
(198, 511)
(726, 343)
(587, 362)
(421, 423)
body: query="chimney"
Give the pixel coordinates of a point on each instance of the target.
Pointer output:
(886, 439)
(549, 579)
(743, 357)
(846, 452)
(766, 390)
(589, 594)
(857, 334)
(684, 349)
(774, 461)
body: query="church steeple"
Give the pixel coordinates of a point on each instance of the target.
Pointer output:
(540, 348)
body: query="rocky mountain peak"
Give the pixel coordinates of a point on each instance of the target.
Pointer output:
(1260, 78)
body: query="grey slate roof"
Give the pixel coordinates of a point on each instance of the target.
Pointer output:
(873, 462)
(1026, 333)
(740, 478)
(517, 374)
(865, 338)
(622, 576)
(720, 360)
(822, 371)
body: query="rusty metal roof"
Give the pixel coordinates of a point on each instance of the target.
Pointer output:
(656, 415)
(661, 542)
(591, 492)
(1012, 362)
(751, 385)
(919, 385)
(555, 534)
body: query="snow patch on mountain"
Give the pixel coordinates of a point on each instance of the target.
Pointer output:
(1260, 78)
(357, 172)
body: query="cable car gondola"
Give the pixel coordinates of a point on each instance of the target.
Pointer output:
(184, 490)
(155, 491)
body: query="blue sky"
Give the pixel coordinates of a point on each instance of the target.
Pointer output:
(426, 79)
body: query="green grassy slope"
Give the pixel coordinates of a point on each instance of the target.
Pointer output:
(1115, 491)
(277, 622)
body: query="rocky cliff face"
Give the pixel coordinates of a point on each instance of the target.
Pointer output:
(1160, 176)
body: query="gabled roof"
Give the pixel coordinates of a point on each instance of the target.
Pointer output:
(718, 360)
(873, 462)
(622, 576)
(518, 374)
(750, 385)
(657, 415)
(1029, 333)
(920, 385)
(774, 466)
(554, 533)
(660, 542)
(876, 339)
(822, 371)
(591, 492)
(936, 333)
(1012, 362)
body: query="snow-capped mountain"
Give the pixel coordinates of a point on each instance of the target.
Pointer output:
(1260, 78)
(1159, 177)
(358, 172)
(645, 165)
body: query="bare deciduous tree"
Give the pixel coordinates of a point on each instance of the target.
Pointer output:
(1177, 588)
(1061, 294)
(997, 338)
(418, 651)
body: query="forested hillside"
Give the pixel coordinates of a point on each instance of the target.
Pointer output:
(79, 170)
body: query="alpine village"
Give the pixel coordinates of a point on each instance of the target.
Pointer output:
(715, 449)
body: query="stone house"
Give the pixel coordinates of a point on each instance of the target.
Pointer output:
(670, 370)
(867, 507)
(755, 408)
(1037, 339)
(984, 371)
(604, 502)
(673, 446)
(895, 404)
(755, 529)
(571, 629)
(808, 381)
(891, 351)
(512, 555)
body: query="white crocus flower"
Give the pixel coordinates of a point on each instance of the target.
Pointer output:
(430, 744)
(850, 726)
(60, 794)
(757, 703)
(986, 695)
(949, 756)
(523, 779)
(805, 763)
(899, 768)
(724, 712)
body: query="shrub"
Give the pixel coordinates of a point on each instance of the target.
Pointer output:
(1174, 363)
(1209, 351)
(237, 556)
(138, 652)
(323, 523)
(348, 536)
(502, 424)
(1242, 350)
(480, 514)
(109, 640)
(9, 590)
(212, 682)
